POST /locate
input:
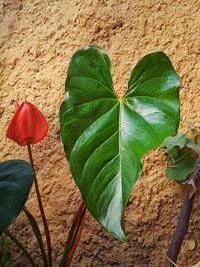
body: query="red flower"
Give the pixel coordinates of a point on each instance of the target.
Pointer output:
(28, 125)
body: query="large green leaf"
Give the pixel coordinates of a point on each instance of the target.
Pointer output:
(105, 136)
(16, 178)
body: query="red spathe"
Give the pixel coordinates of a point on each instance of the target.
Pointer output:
(28, 125)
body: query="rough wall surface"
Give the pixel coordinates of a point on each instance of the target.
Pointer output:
(37, 39)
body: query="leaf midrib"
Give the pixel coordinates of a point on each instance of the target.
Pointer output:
(119, 101)
(119, 140)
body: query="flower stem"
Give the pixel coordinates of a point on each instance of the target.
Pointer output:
(44, 221)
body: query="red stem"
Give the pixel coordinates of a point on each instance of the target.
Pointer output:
(44, 220)
(75, 245)
(74, 236)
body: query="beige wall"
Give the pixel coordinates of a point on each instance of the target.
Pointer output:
(37, 39)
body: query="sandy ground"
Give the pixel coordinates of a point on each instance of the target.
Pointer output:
(37, 39)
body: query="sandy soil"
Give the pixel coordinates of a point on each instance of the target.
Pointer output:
(37, 39)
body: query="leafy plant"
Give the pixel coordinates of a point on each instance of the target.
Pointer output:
(105, 135)
(182, 153)
(29, 126)
(184, 167)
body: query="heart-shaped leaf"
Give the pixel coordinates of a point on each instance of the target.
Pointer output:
(105, 136)
(16, 178)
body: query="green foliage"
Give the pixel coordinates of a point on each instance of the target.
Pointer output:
(105, 136)
(181, 167)
(193, 146)
(16, 177)
(182, 153)
(178, 141)
(5, 255)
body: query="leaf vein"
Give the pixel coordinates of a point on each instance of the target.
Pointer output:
(92, 154)
(109, 89)
(129, 106)
(91, 126)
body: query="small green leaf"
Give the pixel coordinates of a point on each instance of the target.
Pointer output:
(193, 146)
(182, 167)
(173, 153)
(182, 153)
(16, 178)
(179, 140)
(105, 136)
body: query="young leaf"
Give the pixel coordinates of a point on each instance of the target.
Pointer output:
(182, 153)
(179, 140)
(16, 178)
(182, 167)
(105, 136)
(193, 146)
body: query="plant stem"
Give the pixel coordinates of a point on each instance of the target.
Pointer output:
(183, 221)
(23, 249)
(181, 230)
(74, 237)
(38, 235)
(44, 221)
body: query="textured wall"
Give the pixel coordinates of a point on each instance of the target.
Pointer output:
(37, 39)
